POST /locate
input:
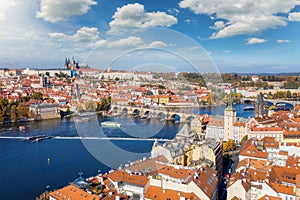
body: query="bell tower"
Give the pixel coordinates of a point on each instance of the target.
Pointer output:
(229, 119)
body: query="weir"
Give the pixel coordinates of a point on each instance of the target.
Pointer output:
(93, 138)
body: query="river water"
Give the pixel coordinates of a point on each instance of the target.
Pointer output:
(28, 168)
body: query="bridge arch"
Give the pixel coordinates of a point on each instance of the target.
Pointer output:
(161, 115)
(248, 101)
(115, 109)
(269, 103)
(136, 112)
(125, 111)
(175, 117)
(147, 112)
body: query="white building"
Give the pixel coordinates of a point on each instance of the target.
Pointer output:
(215, 128)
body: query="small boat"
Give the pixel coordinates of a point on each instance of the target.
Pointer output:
(110, 124)
(22, 128)
(280, 104)
(249, 108)
(42, 137)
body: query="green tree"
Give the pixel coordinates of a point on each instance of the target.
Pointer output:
(104, 104)
(37, 96)
(13, 113)
(3, 104)
(3, 108)
(229, 145)
(90, 106)
(245, 138)
(79, 107)
(21, 111)
(109, 99)
(2, 114)
(210, 97)
(288, 94)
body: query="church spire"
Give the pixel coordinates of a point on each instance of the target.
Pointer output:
(230, 107)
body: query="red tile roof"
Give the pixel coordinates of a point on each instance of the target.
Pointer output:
(122, 176)
(73, 193)
(160, 194)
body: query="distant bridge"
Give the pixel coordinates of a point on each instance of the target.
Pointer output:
(166, 113)
(274, 101)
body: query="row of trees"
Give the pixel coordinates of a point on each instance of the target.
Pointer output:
(239, 80)
(17, 110)
(13, 111)
(92, 106)
(283, 95)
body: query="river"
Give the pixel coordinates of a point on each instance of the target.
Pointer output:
(28, 168)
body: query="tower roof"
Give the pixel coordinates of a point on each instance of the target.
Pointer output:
(230, 107)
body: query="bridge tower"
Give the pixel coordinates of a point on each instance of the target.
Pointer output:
(260, 108)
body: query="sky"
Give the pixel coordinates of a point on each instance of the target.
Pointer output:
(247, 36)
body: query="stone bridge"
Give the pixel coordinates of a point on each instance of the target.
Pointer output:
(160, 113)
(274, 101)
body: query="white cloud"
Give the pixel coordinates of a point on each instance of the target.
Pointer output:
(60, 10)
(87, 38)
(2, 16)
(5, 7)
(174, 11)
(283, 41)
(157, 44)
(131, 41)
(294, 16)
(218, 25)
(84, 39)
(244, 17)
(188, 21)
(134, 16)
(83, 35)
(255, 40)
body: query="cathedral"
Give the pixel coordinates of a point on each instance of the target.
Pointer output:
(71, 64)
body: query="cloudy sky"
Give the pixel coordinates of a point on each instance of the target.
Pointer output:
(237, 35)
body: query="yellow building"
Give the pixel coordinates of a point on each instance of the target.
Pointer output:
(161, 99)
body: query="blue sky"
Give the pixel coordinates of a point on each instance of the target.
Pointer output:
(229, 36)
